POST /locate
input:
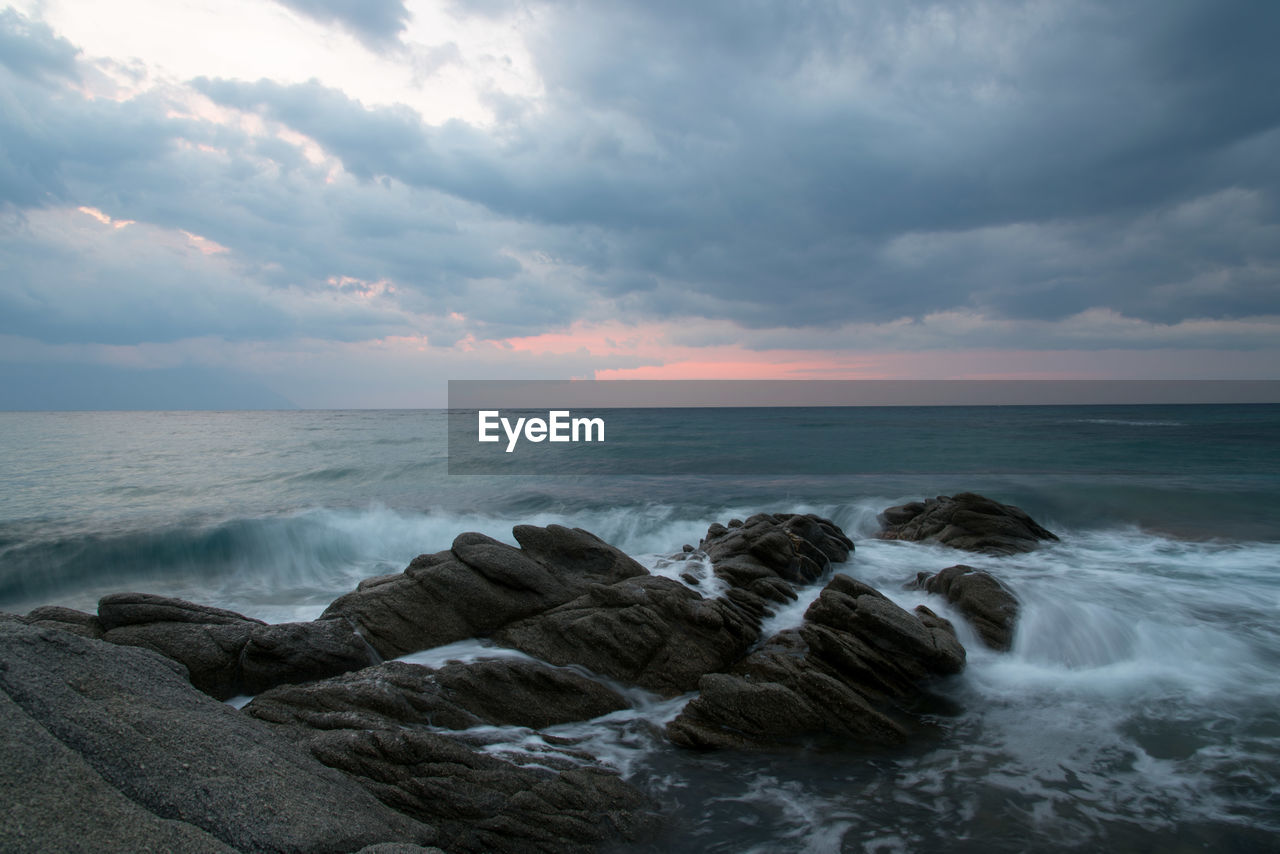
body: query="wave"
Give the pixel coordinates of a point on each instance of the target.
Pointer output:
(1129, 423)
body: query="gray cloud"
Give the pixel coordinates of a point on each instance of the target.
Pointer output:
(775, 165)
(376, 23)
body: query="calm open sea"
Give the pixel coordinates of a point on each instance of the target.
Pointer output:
(1139, 709)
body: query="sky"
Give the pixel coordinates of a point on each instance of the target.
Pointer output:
(331, 203)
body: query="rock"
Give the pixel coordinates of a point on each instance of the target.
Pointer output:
(210, 654)
(301, 652)
(964, 521)
(67, 619)
(481, 803)
(649, 631)
(505, 692)
(983, 600)
(128, 609)
(227, 657)
(110, 748)
(853, 671)
(768, 553)
(479, 586)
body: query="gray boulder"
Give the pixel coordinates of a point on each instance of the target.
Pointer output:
(109, 747)
(768, 553)
(979, 595)
(965, 521)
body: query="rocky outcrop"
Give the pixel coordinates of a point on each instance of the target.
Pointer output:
(984, 601)
(453, 755)
(111, 748)
(648, 631)
(480, 803)
(227, 653)
(381, 726)
(479, 586)
(770, 552)
(965, 521)
(852, 670)
(505, 692)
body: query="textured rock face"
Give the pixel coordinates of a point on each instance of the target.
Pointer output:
(768, 553)
(851, 670)
(226, 653)
(479, 586)
(481, 803)
(457, 696)
(381, 727)
(111, 747)
(964, 521)
(983, 600)
(650, 631)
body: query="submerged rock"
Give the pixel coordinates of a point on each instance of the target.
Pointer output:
(964, 521)
(853, 670)
(109, 747)
(979, 595)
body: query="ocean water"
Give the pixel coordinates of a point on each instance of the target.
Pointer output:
(1138, 711)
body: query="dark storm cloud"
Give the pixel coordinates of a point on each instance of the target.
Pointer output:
(745, 153)
(774, 164)
(376, 23)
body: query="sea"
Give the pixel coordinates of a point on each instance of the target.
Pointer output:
(1139, 709)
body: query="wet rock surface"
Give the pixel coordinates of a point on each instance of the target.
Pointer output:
(984, 601)
(966, 521)
(480, 585)
(770, 552)
(457, 696)
(651, 631)
(853, 669)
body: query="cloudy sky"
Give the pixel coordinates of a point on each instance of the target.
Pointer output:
(340, 203)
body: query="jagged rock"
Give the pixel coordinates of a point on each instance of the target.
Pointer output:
(479, 586)
(768, 553)
(964, 521)
(301, 652)
(110, 748)
(67, 619)
(233, 654)
(456, 696)
(853, 670)
(209, 653)
(980, 596)
(481, 803)
(649, 631)
(128, 609)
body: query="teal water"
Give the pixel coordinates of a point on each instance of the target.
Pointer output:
(1136, 712)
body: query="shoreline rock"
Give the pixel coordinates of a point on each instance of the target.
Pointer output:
(965, 521)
